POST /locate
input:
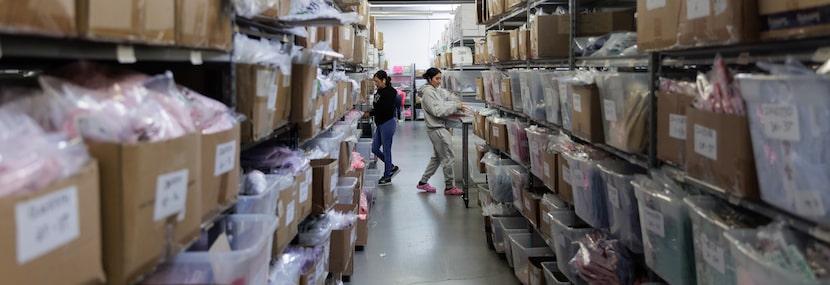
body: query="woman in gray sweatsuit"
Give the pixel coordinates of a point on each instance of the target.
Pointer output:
(436, 108)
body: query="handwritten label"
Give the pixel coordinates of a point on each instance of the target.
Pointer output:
(225, 158)
(289, 213)
(706, 142)
(171, 194)
(566, 175)
(697, 9)
(46, 223)
(125, 54)
(654, 4)
(712, 254)
(781, 122)
(546, 166)
(677, 126)
(527, 204)
(610, 108)
(809, 203)
(496, 132)
(613, 195)
(577, 103)
(304, 190)
(654, 222)
(196, 57)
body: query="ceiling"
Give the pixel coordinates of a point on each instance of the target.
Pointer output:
(415, 9)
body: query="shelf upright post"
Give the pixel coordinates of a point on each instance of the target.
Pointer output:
(573, 9)
(654, 71)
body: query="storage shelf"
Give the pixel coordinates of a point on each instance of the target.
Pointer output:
(806, 50)
(278, 131)
(468, 67)
(613, 61)
(52, 48)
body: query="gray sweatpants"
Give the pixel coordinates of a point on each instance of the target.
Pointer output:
(442, 155)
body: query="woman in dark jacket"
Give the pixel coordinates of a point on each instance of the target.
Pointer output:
(384, 112)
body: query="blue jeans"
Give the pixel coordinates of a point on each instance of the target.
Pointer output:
(383, 136)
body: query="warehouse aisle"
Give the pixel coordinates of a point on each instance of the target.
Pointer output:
(419, 238)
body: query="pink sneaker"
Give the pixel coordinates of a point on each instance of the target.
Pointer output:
(453, 191)
(427, 188)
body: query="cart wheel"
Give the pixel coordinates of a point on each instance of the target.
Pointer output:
(347, 279)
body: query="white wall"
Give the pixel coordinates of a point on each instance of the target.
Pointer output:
(410, 41)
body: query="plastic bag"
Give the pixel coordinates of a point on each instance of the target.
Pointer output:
(262, 52)
(603, 260)
(251, 8)
(286, 270)
(311, 10)
(616, 44)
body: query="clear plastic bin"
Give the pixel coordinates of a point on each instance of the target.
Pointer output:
(625, 110)
(345, 190)
(793, 166)
(250, 238)
(370, 183)
(538, 140)
(590, 195)
(533, 95)
(523, 247)
(462, 81)
(517, 138)
(566, 103)
(516, 89)
(492, 86)
(364, 147)
(752, 268)
(667, 232)
(565, 229)
(266, 202)
(550, 89)
(501, 185)
(623, 214)
(502, 226)
(554, 276)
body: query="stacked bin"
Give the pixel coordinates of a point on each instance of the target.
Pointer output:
(538, 140)
(264, 203)
(553, 276)
(525, 246)
(793, 164)
(566, 228)
(625, 110)
(566, 102)
(517, 138)
(521, 182)
(623, 214)
(753, 267)
(503, 226)
(590, 196)
(550, 91)
(516, 89)
(492, 86)
(667, 230)
(533, 95)
(501, 185)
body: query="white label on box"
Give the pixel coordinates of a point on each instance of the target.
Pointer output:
(286, 81)
(225, 158)
(566, 175)
(344, 95)
(46, 223)
(333, 182)
(318, 116)
(304, 190)
(610, 108)
(564, 89)
(264, 80)
(697, 9)
(706, 142)
(712, 254)
(577, 103)
(527, 204)
(578, 179)
(809, 204)
(546, 166)
(677, 126)
(289, 213)
(512, 44)
(720, 6)
(196, 57)
(780, 122)
(347, 33)
(654, 222)
(503, 87)
(496, 132)
(171, 194)
(125, 54)
(613, 195)
(654, 4)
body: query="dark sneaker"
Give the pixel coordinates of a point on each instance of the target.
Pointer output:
(395, 171)
(385, 181)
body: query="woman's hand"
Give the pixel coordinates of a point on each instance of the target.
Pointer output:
(463, 108)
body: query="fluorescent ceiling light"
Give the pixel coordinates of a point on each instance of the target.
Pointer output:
(402, 13)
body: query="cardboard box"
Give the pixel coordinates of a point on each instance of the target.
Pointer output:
(601, 23)
(379, 41)
(506, 96)
(514, 44)
(147, 189)
(565, 191)
(288, 219)
(498, 46)
(499, 136)
(550, 171)
(330, 106)
(657, 24)
(344, 42)
(345, 97)
(193, 22)
(316, 275)
(222, 36)
(342, 242)
(480, 153)
(110, 19)
(282, 112)
(304, 84)
(719, 152)
(362, 232)
(363, 11)
(671, 127)
(736, 21)
(488, 131)
(278, 9)
(325, 174)
(544, 220)
(49, 17)
(254, 93)
(524, 44)
(159, 22)
(783, 19)
(479, 88)
(302, 190)
(71, 255)
(372, 31)
(220, 171)
(510, 4)
(587, 113)
(530, 206)
(496, 7)
(359, 49)
(549, 36)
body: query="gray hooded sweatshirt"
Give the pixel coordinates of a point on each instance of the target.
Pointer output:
(436, 106)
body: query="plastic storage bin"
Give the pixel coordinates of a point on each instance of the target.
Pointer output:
(247, 262)
(550, 89)
(533, 95)
(502, 226)
(590, 195)
(370, 182)
(364, 147)
(667, 232)
(566, 228)
(625, 110)
(792, 164)
(516, 89)
(345, 190)
(566, 102)
(492, 86)
(553, 276)
(523, 247)
(623, 214)
(517, 138)
(753, 268)
(501, 185)
(266, 202)
(537, 142)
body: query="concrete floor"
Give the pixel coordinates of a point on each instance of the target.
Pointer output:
(419, 238)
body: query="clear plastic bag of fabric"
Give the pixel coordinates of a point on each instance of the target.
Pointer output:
(616, 44)
(311, 11)
(538, 139)
(590, 194)
(285, 270)
(251, 8)
(501, 185)
(601, 259)
(517, 137)
(520, 181)
(623, 215)
(625, 110)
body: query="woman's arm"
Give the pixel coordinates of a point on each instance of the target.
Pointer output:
(436, 106)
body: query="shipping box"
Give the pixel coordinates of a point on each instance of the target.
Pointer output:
(159, 21)
(657, 24)
(359, 55)
(302, 190)
(514, 44)
(362, 232)
(480, 88)
(506, 96)
(342, 242)
(565, 190)
(549, 36)
(601, 23)
(288, 219)
(524, 44)
(671, 127)
(325, 174)
(304, 84)
(782, 19)
(344, 42)
(498, 135)
(530, 206)
(718, 22)
(48, 17)
(587, 113)
(203, 24)
(253, 97)
(550, 171)
(151, 203)
(220, 171)
(150, 21)
(498, 46)
(282, 110)
(719, 152)
(69, 211)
